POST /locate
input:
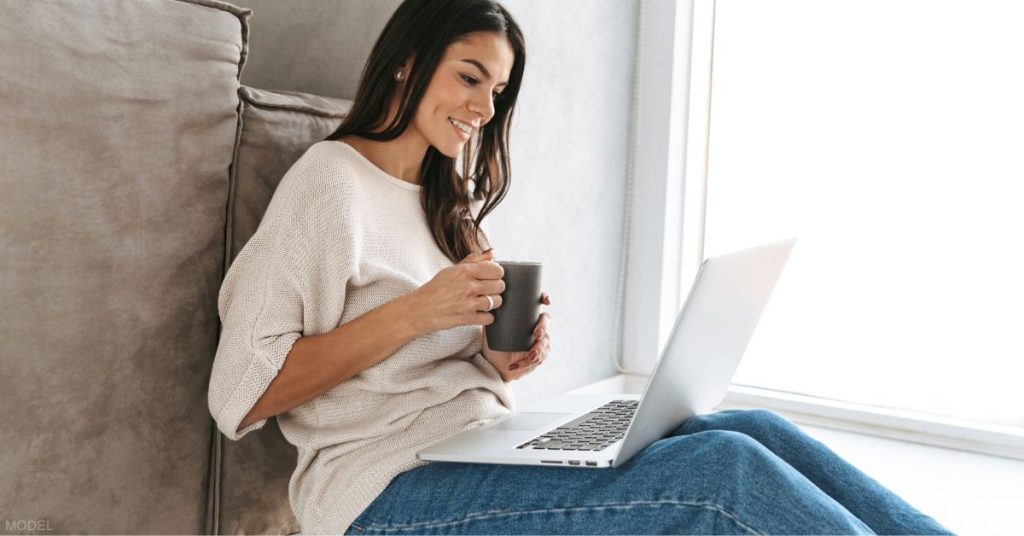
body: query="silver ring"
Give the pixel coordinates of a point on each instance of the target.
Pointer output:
(490, 302)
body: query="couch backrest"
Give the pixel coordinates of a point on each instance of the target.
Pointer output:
(118, 121)
(133, 168)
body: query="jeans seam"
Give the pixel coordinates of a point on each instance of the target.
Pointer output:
(476, 516)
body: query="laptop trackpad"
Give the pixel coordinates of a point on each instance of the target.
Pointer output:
(530, 421)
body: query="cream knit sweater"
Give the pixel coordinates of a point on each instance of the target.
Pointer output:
(342, 237)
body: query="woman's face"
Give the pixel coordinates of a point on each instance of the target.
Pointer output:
(462, 92)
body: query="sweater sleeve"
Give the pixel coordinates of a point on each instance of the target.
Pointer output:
(265, 303)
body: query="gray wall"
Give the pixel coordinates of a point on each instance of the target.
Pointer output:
(569, 147)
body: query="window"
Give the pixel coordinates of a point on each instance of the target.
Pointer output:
(887, 136)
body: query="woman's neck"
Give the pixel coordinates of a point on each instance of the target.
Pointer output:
(401, 157)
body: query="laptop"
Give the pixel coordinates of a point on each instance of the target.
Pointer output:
(693, 372)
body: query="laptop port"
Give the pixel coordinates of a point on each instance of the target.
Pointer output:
(559, 462)
(592, 464)
(574, 462)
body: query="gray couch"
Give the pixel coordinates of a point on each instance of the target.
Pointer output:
(133, 168)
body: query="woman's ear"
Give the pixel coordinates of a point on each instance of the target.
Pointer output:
(408, 63)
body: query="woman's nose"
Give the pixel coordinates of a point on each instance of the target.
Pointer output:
(485, 109)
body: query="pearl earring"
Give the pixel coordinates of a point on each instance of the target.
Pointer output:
(399, 76)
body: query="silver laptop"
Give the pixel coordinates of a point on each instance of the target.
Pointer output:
(691, 377)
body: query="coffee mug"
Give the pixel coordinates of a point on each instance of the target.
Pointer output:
(515, 320)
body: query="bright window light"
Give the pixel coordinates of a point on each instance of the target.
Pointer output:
(888, 136)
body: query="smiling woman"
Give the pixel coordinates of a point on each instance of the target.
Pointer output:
(425, 99)
(354, 315)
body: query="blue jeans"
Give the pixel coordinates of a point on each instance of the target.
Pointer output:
(730, 472)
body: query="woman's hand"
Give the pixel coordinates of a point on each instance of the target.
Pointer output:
(515, 365)
(457, 295)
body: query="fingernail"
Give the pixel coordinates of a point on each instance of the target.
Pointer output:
(536, 333)
(533, 354)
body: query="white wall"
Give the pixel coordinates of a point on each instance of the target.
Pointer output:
(569, 147)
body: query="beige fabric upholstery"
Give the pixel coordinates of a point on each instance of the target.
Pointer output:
(127, 184)
(276, 128)
(118, 121)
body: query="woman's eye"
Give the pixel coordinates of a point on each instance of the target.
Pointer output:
(473, 81)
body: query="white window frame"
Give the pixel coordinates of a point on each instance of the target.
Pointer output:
(664, 234)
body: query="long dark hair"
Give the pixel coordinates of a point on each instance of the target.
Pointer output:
(425, 28)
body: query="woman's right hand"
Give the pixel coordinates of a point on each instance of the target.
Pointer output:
(456, 296)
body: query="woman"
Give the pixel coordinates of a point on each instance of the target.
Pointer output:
(354, 315)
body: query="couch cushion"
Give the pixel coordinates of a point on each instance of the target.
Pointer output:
(276, 128)
(119, 120)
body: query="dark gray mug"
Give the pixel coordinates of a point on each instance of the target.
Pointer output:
(515, 320)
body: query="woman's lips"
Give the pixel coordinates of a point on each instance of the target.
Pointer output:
(459, 131)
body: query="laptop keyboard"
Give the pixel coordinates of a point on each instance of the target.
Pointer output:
(592, 431)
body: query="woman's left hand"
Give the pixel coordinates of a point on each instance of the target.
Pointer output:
(515, 365)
